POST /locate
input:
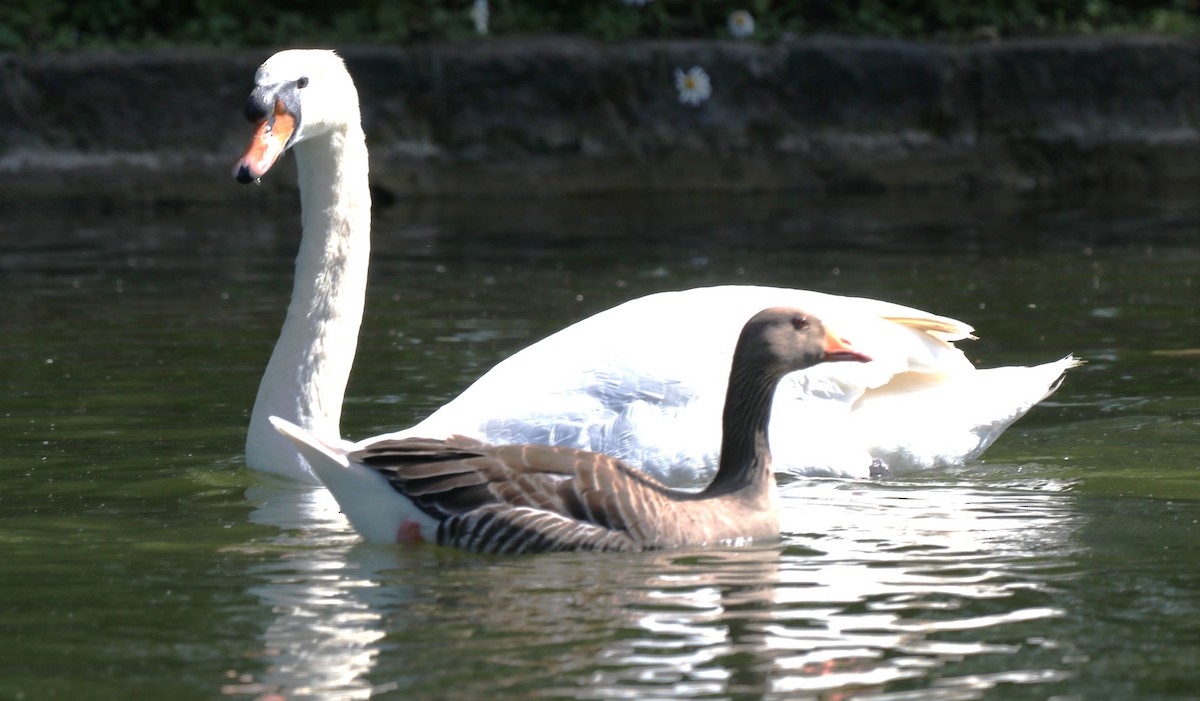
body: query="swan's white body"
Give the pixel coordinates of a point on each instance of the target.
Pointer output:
(643, 381)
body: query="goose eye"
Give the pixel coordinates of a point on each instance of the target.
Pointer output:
(799, 323)
(302, 82)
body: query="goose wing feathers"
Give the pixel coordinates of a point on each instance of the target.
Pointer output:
(511, 499)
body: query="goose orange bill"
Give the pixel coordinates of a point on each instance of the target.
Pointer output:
(840, 349)
(270, 138)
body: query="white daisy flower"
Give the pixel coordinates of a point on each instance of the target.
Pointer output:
(741, 24)
(694, 86)
(479, 15)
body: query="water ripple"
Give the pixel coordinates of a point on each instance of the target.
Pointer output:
(873, 584)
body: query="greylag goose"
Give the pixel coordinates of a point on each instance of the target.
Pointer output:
(535, 498)
(615, 383)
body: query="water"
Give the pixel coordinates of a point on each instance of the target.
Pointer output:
(139, 559)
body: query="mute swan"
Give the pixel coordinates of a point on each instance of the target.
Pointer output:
(534, 498)
(655, 402)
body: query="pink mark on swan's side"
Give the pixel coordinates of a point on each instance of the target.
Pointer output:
(409, 532)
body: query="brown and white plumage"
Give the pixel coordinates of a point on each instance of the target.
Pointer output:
(534, 498)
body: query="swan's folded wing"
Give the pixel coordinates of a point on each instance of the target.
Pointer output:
(940, 327)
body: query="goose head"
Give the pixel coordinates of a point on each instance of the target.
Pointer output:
(781, 340)
(299, 94)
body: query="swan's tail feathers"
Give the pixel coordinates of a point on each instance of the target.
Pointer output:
(1061, 366)
(918, 423)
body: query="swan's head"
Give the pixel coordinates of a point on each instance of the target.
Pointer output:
(782, 340)
(298, 94)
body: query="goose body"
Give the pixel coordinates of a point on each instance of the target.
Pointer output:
(643, 381)
(534, 498)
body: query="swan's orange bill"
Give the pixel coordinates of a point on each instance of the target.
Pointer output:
(840, 349)
(271, 136)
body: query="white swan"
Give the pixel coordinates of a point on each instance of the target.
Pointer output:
(655, 403)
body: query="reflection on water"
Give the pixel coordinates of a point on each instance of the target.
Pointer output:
(321, 641)
(134, 545)
(873, 584)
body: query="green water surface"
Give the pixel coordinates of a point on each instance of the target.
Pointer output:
(139, 559)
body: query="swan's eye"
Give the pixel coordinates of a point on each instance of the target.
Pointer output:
(799, 323)
(302, 82)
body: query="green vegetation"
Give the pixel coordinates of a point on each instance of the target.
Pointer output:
(39, 25)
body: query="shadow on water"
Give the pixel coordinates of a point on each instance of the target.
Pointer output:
(136, 545)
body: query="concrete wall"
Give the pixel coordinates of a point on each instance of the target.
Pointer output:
(553, 116)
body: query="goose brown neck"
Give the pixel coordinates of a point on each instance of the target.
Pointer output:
(745, 453)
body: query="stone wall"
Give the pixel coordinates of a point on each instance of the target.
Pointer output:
(555, 116)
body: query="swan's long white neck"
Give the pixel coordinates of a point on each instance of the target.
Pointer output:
(306, 377)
